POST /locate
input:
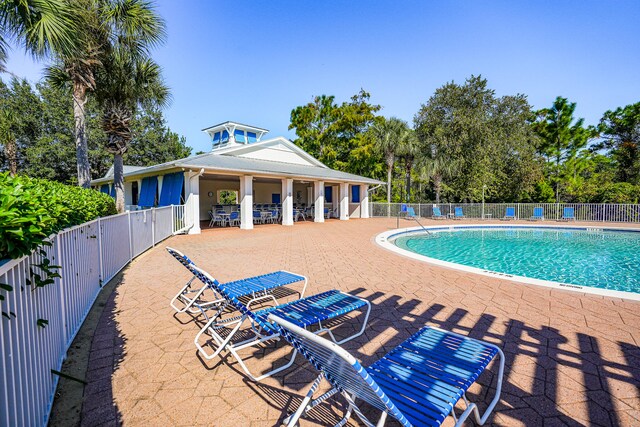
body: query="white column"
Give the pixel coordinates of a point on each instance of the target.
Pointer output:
(287, 202)
(192, 204)
(344, 201)
(128, 192)
(309, 196)
(246, 202)
(335, 201)
(364, 201)
(186, 193)
(318, 192)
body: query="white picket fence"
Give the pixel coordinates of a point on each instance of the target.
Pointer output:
(595, 212)
(90, 255)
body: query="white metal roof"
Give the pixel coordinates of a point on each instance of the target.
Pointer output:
(230, 164)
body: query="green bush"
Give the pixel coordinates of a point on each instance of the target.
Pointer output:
(33, 209)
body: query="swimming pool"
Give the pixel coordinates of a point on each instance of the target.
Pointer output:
(587, 259)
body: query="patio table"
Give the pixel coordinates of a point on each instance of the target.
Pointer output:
(225, 218)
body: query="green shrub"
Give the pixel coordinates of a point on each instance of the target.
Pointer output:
(33, 209)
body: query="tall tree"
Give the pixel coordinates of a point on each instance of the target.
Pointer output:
(128, 79)
(387, 134)
(470, 139)
(329, 131)
(103, 22)
(563, 137)
(19, 121)
(621, 132)
(408, 149)
(43, 123)
(8, 139)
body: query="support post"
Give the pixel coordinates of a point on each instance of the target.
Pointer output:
(287, 201)
(364, 202)
(246, 202)
(309, 196)
(335, 201)
(192, 204)
(318, 193)
(344, 201)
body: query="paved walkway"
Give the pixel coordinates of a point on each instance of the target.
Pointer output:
(572, 358)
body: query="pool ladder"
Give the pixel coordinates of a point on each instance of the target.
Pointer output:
(415, 218)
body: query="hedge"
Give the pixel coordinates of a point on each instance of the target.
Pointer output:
(33, 209)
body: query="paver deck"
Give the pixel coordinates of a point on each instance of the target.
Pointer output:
(572, 358)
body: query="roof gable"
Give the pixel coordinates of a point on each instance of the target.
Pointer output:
(275, 150)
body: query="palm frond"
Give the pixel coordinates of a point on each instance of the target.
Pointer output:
(41, 26)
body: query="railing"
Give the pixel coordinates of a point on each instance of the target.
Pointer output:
(595, 212)
(90, 255)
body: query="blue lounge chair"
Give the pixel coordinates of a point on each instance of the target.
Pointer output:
(257, 288)
(411, 213)
(538, 214)
(418, 383)
(458, 214)
(437, 214)
(568, 214)
(315, 310)
(510, 213)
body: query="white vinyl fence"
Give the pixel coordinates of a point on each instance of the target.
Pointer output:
(90, 255)
(596, 212)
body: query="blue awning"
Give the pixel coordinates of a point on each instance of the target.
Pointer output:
(171, 189)
(328, 194)
(113, 191)
(148, 191)
(104, 188)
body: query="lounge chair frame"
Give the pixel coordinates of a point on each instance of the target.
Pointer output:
(438, 215)
(261, 328)
(356, 377)
(190, 299)
(510, 214)
(538, 214)
(566, 216)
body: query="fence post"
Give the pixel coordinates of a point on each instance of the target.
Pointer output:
(63, 310)
(518, 207)
(100, 254)
(153, 227)
(130, 236)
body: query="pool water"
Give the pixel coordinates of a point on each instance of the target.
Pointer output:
(594, 258)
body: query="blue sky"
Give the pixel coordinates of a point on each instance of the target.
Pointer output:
(254, 61)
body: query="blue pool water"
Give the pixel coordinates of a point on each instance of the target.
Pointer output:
(595, 258)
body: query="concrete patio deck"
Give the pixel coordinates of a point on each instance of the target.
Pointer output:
(572, 358)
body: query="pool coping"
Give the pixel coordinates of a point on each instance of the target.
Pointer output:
(386, 238)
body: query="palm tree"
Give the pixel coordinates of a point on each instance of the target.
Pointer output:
(41, 26)
(129, 78)
(129, 83)
(438, 168)
(387, 134)
(408, 149)
(103, 22)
